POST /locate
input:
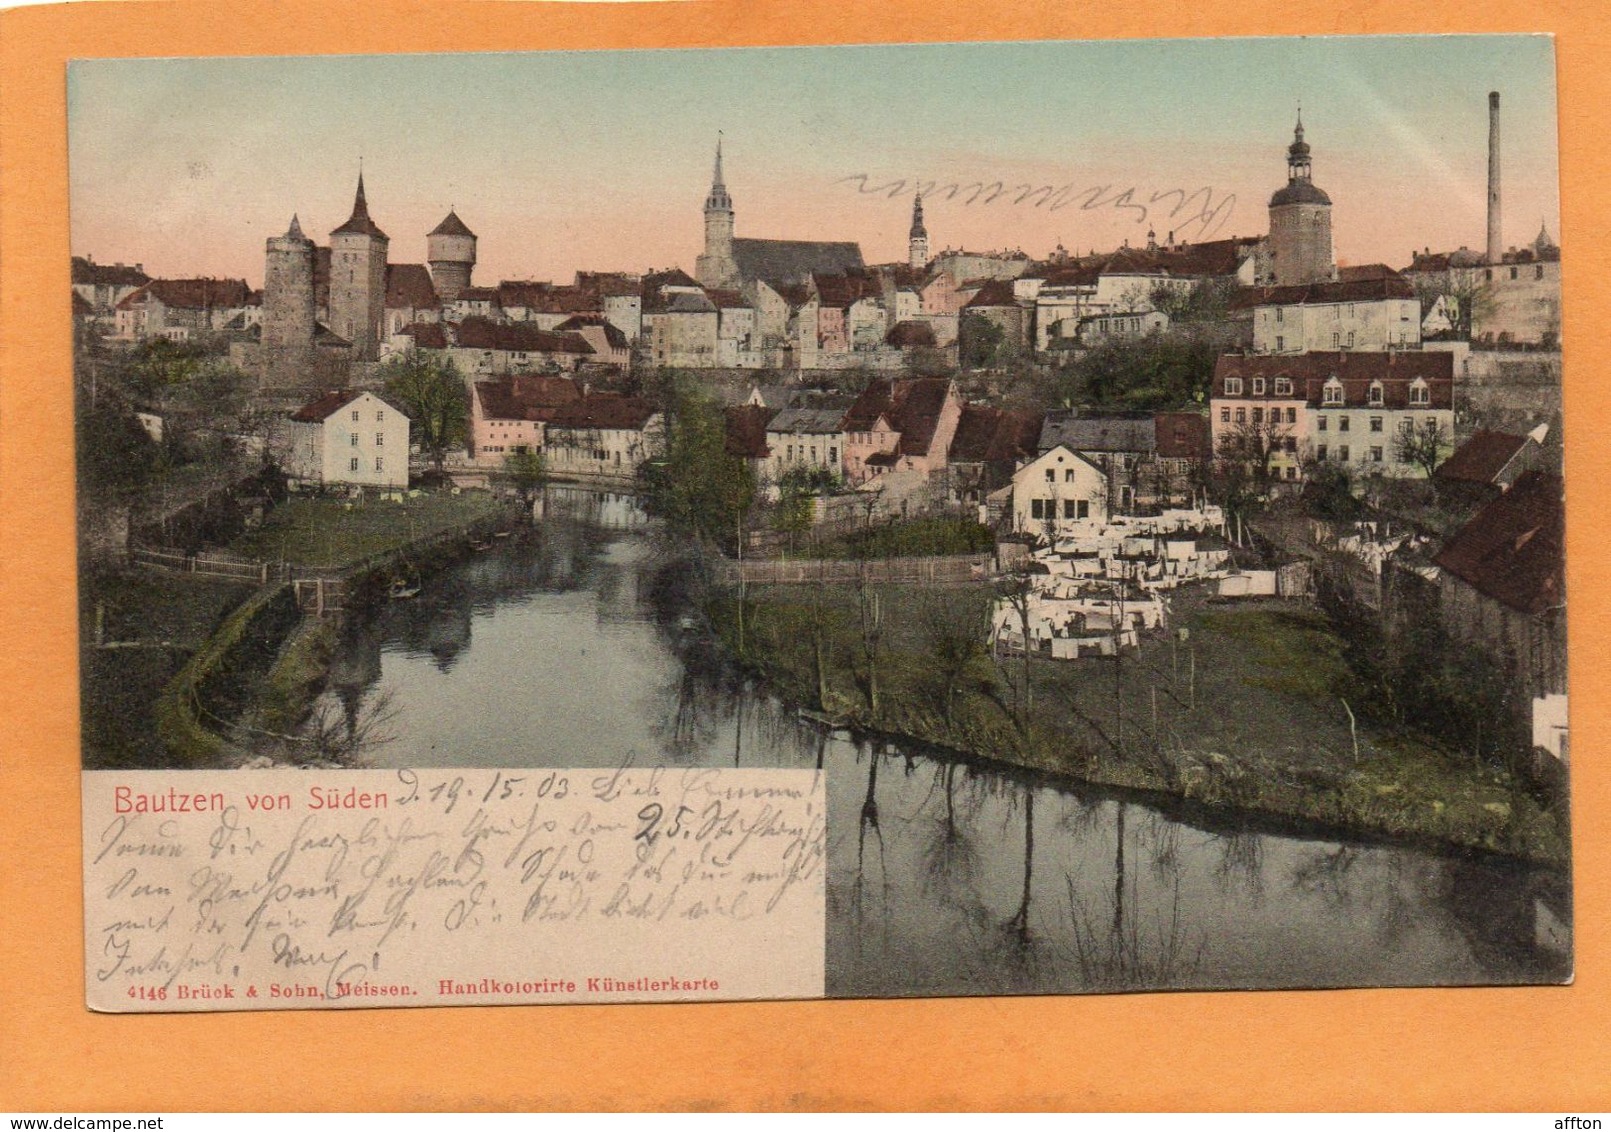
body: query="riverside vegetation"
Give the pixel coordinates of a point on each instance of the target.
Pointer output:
(1243, 718)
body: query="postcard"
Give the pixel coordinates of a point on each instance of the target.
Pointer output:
(926, 520)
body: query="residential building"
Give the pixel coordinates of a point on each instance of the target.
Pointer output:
(1340, 408)
(180, 309)
(509, 416)
(1366, 308)
(1055, 492)
(810, 439)
(602, 435)
(900, 425)
(354, 437)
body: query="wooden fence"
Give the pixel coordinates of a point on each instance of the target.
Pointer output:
(959, 569)
(210, 565)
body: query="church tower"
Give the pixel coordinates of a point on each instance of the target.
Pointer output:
(286, 350)
(450, 250)
(358, 280)
(917, 241)
(1300, 223)
(716, 267)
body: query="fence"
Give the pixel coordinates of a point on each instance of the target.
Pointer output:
(952, 570)
(319, 589)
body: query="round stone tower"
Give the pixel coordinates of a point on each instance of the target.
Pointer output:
(450, 250)
(288, 309)
(1300, 223)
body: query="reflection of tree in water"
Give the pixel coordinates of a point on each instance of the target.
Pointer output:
(1497, 908)
(868, 824)
(1326, 873)
(1241, 864)
(1119, 952)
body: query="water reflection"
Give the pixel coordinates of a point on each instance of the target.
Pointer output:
(572, 645)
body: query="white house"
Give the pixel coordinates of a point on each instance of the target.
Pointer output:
(1056, 491)
(349, 437)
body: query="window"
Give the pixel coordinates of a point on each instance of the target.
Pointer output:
(1332, 394)
(380, 440)
(1375, 397)
(1342, 453)
(1376, 454)
(1320, 424)
(1513, 273)
(1051, 475)
(1070, 509)
(1068, 475)
(1035, 508)
(1336, 339)
(380, 464)
(1342, 424)
(1224, 416)
(1419, 393)
(1320, 452)
(1350, 339)
(1280, 343)
(1241, 416)
(352, 465)
(1289, 444)
(380, 417)
(1258, 416)
(1376, 424)
(1280, 314)
(1258, 387)
(1538, 272)
(354, 440)
(1283, 387)
(1406, 427)
(1233, 387)
(355, 414)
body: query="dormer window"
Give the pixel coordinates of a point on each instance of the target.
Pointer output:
(1420, 394)
(1376, 393)
(1233, 387)
(1258, 387)
(1283, 387)
(1332, 393)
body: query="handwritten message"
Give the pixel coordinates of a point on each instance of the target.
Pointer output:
(1200, 212)
(272, 889)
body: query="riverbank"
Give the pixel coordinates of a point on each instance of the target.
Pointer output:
(1247, 717)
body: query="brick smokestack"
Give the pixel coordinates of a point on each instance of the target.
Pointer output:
(1496, 247)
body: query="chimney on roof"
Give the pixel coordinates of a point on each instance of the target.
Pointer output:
(1494, 241)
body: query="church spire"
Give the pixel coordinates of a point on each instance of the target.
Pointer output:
(718, 200)
(918, 231)
(359, 222)
(295, 231)
(1298, 153)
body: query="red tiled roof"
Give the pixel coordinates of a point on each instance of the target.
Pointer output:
(995, 293)
(607, 283)
(1364, 290)
(1482, 458)
(1356, 371)
(191, 294)
(726, 299)
(912, 407)
(86, 271)
(427, 335)
(1513, 550)
(359, 223)
(409, 285)
(1182, 436)
(990, 435)
(82, 306)
(843, 290)
(476, 333)
(451, 226)
(321, 408)
(526, 398)
(613, 335)
(746, 431)
(604, 410)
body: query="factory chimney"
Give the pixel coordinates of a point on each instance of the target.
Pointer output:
(1495, 246)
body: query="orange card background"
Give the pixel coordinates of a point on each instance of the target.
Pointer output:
(1540, 1049)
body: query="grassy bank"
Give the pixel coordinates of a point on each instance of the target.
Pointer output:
(1250, 713)
(154, 622)
(328, 531)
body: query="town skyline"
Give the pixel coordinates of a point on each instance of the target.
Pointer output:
(1401, 151)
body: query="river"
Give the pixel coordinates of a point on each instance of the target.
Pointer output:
(570, 645)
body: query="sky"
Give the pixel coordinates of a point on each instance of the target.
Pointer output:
(601, 160)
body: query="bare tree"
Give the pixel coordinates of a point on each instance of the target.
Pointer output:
(1424, 444)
